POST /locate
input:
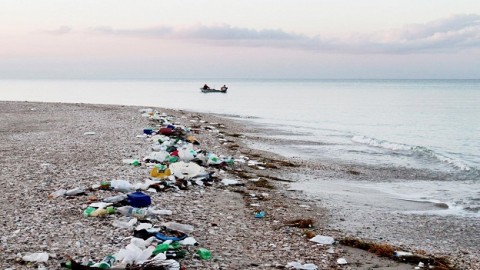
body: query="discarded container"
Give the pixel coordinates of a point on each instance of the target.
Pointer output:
(134, 162)
(147, 131)
(130, 211)
(260, 214)
(57, 194)
(75, 191)
(166, 131)
(116, 199)
(178, 227)
(139, 199)
(160, 248)
(98, 212)
(106, 263)
(160, 171)
(175, 254)
(204, 254)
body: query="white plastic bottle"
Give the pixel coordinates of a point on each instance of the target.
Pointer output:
(130, 211)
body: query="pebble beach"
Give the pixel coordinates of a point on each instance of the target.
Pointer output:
(46, 147)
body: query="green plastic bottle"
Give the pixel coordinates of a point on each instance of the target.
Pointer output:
(160, 248)
(88, 211)
(204, 254)
(106, 263)
(136, 163)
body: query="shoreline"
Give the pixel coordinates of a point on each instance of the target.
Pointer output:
(45, 149)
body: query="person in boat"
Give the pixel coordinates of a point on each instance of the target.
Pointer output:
(224, 88)
(206, 86)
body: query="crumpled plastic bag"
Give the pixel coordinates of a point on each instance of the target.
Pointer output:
(297, 265)
(324, 240)
(36, 257)
(185, 170)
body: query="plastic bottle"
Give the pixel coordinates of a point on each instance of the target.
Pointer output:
(75, 191)
(116, 199)
(106, 263)
(105, 185)
(175, 254)
(160, 248)
(98, 212)
(178, 227)
(204, 254)
(57, 194)
(130, 211)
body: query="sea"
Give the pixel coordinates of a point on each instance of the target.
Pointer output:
(432, 126)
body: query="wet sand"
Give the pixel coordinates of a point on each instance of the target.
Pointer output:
(43, 148)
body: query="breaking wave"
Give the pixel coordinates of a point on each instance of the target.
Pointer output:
(419, 150)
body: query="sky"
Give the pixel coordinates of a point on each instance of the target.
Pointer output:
(317, 39)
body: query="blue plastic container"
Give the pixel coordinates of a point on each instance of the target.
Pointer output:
(148, 131)
(139, 199)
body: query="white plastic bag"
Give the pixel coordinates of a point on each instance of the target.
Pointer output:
(36, 257)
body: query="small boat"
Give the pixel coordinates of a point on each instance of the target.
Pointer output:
(223, 89)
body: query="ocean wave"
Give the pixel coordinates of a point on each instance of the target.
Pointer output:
(381, 143)
(412, 149)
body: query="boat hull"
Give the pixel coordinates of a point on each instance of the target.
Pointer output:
(211, 90)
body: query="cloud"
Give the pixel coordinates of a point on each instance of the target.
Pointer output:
(62, 30)
(451, 34)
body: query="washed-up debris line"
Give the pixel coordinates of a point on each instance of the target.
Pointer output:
(175, 162)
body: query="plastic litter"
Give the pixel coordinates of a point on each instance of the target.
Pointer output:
(185, 170)
(75, 191)
(178, 227)
(324, 240)
(298, 265)
(142, 244)
(189, 241)
(125, 223)
(260, 214)
(107, 262)
(121, 185)
(139, 199)
(164, 237)
(89, 133)
(133, 254)
(134, 162)
(143, 226)
(204, 254)
(115, 199)
(57, 193)
(402, 253)
(341, 261)
(157, 157)
(36, 257)
(230, 182)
